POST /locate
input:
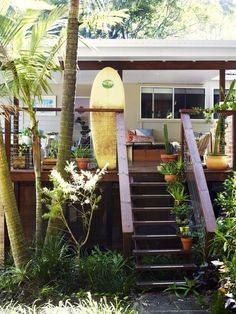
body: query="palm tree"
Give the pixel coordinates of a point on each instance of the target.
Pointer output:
(18, 243)
(100, 19)
(28, 48)
(67, 113)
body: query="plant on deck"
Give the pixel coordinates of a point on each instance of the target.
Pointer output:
(79, 191)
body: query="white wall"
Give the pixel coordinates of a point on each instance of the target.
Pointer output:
(132, 111)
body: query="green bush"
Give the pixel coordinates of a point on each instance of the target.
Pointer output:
(106, 272)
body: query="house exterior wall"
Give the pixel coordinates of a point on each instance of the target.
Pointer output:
(132, 110)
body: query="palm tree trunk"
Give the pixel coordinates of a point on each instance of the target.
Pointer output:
(38, 187)
(18, 243)
(67, 113)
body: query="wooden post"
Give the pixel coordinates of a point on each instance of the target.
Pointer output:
(125, 200)
(16, 128)
(222, 85)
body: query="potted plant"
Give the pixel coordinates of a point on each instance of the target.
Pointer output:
(171, 170)
(51, 160)
(26, 136)
(82, 153)
(186, 237)
(19, 162)
(169, 155)
(177, 191)
(182, 212)
(217, 160)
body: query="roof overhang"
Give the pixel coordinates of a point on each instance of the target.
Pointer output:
(157, 50)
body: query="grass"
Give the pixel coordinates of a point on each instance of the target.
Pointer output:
(87, 305)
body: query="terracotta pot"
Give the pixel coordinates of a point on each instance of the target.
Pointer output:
(217, 162)
(168, 158)
(186, 243)
(82, 163)
(170, 177)
(19, 162)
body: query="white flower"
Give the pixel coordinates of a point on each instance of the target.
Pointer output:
(217, 263)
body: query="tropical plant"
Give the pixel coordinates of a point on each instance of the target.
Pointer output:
(229, 102)
(182, 213)
(82, 151)
(223, 246)
(177, 191)
(53, 148)
(80, 190)
(169, 168)
(28, 47)
(106, 272)
(185, 232)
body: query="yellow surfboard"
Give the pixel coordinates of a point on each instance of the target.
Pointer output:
(107, 92)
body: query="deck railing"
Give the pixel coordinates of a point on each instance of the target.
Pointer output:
(122, 164)
(201, 201)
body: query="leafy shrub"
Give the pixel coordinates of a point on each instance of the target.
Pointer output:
(106, 272)
(224, 242)
(50, 275)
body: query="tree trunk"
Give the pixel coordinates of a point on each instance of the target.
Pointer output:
(18, 243)
(38, 187)
(67, 113)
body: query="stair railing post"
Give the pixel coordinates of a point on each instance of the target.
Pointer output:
(123, 172)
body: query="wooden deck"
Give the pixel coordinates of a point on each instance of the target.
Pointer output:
(135, 168)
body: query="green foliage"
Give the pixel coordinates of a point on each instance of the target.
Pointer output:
(86, 305)
(51, 274)
(177, 191)
(219, 134)
(182, 213)
(82, 151)
(190, 286)
(79, 192)
(175, 167)
(106, 272)
(217, 305)
(53, 148)
(224, 243)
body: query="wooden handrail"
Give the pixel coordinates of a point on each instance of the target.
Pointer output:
(76, 109)
(206, 209)
(123, 172)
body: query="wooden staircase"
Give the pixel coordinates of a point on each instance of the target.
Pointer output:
(159, 258)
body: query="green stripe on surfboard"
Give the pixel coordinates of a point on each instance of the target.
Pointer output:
(107, 92)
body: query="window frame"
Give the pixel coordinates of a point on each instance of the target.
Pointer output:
(173, 101)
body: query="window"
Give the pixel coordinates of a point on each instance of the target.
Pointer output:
(165, 103)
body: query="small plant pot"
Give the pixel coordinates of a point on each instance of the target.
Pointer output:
(168, 158)
(82, 163)
(217, 162)
(27, 140)
(170, 177)
(186, 243)
(19, 162)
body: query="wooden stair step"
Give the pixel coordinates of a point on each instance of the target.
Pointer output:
(151, 196)
(165, 267)
(141, 252)
(153, 222)
(158, 284)
(154, 236)
(148, 184)
(142, 209)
